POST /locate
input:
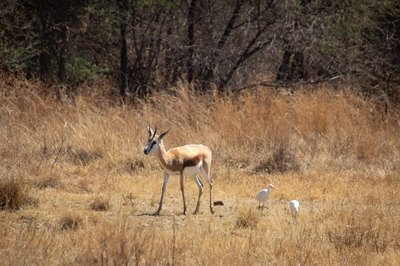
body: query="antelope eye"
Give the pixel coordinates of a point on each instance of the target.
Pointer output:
(152, 144)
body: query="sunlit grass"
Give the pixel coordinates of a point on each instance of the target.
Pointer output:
(86, 189)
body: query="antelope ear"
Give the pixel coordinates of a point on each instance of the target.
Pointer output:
(163, 134)
(150, 131)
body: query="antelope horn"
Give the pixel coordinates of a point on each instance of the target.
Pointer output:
(155, 131)
(149, 131)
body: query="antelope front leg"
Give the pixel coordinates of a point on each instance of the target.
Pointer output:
(164, 187)
(183, 194)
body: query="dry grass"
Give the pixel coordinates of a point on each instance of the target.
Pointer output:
(334, 151)
(247, 219)
(100, 204)
(280, 161)
(13, 193)
(70, 221)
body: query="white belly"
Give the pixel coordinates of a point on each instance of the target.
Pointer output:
(192, 170)
(166, 170)
(188, 171)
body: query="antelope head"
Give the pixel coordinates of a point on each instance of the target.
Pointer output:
(154, 141)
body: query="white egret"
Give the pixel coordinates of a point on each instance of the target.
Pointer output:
(262, 196)
(294, 206)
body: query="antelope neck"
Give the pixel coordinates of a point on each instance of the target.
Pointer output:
(162, 154)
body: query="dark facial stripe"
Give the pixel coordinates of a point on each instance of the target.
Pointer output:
(152, 144)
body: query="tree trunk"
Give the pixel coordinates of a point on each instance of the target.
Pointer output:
(44, 65)
(123, 83)
(292, 64)
(123, 79)
(44, 56)
(171, 64)
(207, 74)
(283, 71)
(62, 55)
(292, 67)
(297, 72)
(190, 40)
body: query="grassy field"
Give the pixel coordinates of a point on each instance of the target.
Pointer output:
(76, 188)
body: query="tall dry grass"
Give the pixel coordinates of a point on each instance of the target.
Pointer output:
(81, 162)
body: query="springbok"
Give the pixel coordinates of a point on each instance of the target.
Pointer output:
(189, 160)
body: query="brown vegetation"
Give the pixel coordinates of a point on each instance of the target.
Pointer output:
(99, 204)
(75, 152)
(13, 193)
(70, 221)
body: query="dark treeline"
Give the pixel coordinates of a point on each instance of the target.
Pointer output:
(141, 45)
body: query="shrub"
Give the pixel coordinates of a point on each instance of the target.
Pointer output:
(13, 193)
(247, 219)
(281, 160)
(70, 222)
(100, 204)
(48, 182)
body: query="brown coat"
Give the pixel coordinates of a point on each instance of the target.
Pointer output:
(177, 159)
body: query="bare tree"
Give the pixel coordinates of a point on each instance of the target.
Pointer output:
(123, 6)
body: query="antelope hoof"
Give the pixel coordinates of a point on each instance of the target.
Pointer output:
(212, 210)
(157, 213)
